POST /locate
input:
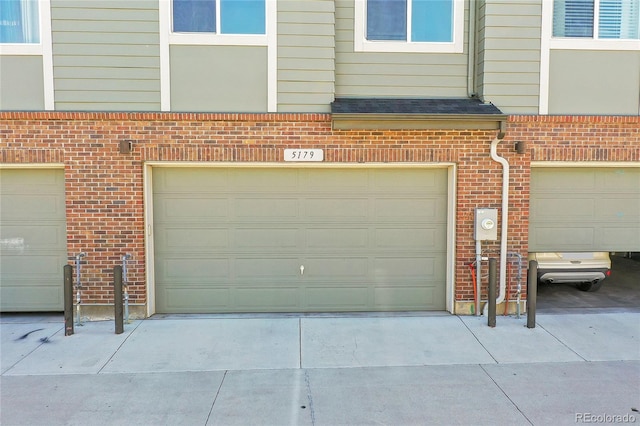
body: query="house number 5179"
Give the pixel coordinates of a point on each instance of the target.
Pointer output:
(303, 155)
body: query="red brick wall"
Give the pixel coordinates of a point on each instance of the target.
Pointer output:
(104, 189)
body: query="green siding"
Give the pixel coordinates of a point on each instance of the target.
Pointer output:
(106, 55)
(594, 82)
(32, 240)
(22, 83)
(306, 54)
(234, 239)
(585, 209)
(509, 54)
(367, 74)
(219, 78)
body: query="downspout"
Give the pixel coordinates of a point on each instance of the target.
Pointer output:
(505, 215)
(471, 63)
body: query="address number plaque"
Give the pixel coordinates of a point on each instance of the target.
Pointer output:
(303, 155)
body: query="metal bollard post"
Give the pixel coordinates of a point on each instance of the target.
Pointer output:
(492, 293)
(532, 293)
(117, 298)
(68, 299)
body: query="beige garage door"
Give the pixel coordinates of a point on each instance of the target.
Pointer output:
(585, 209)
(33, 246)
(299, 239)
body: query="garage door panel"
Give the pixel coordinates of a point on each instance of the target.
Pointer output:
(405, 267)
(627, 180)
(267, 268)
(613, 235)
(258, 299)
(31, 207)
(417, 209)
(563, 180)
(411, 238)
(318, 209)
(175, 208)
(18, 237)
(178, 239)
(355, 268)
(31, 296)
(585, 209)
(619, 210)
(344, 238)
(338, 181)
(577, 238)
(337, 298)
(194, 300)
(550, 209)
(349, 228)
(34, 265)
(250, 179)
(247, 210)
(271, 238)
(191, 269)
(410, 298)
(192, 180)
(390, 180)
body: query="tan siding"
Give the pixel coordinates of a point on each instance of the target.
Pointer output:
(106, 55)
(509, 51)
(305, 56)
(594, 82)
(21, 79)
(219, 78)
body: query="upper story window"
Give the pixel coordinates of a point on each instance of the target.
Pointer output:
(409, 25)
(219, 16)
(19, 23)
(597, 19)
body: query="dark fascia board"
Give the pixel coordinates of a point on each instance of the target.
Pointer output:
(372, 121)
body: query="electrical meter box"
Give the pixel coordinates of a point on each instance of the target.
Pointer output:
(486, 225)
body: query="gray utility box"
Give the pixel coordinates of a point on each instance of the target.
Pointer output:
(486, 225)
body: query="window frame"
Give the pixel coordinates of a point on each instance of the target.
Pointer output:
(203, 38)
(590, 43)
(361, 44)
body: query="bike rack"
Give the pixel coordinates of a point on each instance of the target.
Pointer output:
(79, 286)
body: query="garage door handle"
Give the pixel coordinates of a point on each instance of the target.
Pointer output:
(301, 269)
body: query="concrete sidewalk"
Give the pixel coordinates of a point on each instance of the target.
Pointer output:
(323, 370)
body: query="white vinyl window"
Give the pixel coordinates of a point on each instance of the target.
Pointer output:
(409, 25)
(19, 22)
(224, 22)
(596, 19)
(219, 16)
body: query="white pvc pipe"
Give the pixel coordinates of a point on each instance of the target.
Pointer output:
(505, 220)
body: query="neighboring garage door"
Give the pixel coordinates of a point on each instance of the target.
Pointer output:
(299, 239)
(585, 209)
(33, 246)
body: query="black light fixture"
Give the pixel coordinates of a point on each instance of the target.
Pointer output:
(126, 146)
(521, 147)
